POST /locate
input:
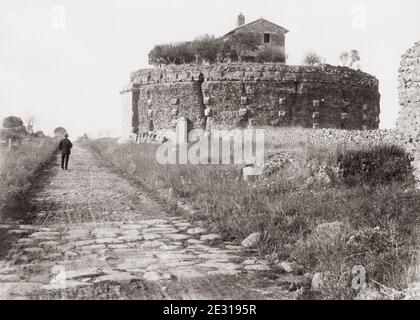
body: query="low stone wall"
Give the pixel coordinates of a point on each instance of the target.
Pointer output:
(240, 95)
(331, 137)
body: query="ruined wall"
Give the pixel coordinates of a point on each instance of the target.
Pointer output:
(409, 93)
(239, 95)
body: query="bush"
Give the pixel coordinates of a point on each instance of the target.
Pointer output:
(174, 53)
(374, 165)
(311, 58)
(206, 48)
(12, 122)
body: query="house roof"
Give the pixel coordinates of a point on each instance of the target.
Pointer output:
(251, 23)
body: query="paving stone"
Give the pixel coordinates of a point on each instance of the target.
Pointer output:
(83, 243)
(152, 244)
(25, 241)
(224, 272)
(176, 264)
(177, 236)
(183, 224)
(231, 247)
(28, 227)
(137, 263)
(155, 221)
(108, 241)
(67, 284)
(179, 256)
(9, 278)
(194, 241)
(159, 231)
(170, 248)
(44, 234)
(209, 237)
(152, 236)
(116, 276)
(215, 256)
(197, 230)
(18, 232)
(83, 273)
(219, 265)
(257, 267)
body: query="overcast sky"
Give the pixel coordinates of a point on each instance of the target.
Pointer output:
(64, 62)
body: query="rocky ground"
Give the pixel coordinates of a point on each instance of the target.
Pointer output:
(88, 233)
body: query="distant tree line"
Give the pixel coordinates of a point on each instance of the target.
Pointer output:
(208, 49)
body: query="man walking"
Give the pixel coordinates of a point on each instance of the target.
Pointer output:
(65, 147)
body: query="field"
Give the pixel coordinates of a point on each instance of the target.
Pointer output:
(325, 210)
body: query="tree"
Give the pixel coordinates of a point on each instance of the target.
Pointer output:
(206, 48)
(354, 58)
(173, 53)
(12, 122)
(311, 58)
(60, 131)
(344, 57)
(13, 129)
(156, 56)
(30, 122)
(243, 43)
(269, 54)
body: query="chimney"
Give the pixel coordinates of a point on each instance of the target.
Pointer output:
(241, 20)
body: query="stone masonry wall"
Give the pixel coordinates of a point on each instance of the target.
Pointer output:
(409, 94)
(239, 95)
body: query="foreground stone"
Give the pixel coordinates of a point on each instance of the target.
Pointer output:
(252, 240)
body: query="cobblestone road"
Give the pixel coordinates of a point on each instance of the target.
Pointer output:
(91, 234)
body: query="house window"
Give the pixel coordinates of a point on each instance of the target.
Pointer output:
(267, 37)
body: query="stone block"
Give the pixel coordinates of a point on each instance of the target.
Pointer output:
(207, 101)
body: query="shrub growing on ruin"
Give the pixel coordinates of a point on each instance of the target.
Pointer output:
(350, 59)
(206, 48)
(311, 58)
(173, 53)
(344, 57)
(354, 58)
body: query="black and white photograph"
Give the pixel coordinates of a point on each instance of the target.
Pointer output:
(221, 151)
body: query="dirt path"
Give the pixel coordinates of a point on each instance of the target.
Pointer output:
(90, 234)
